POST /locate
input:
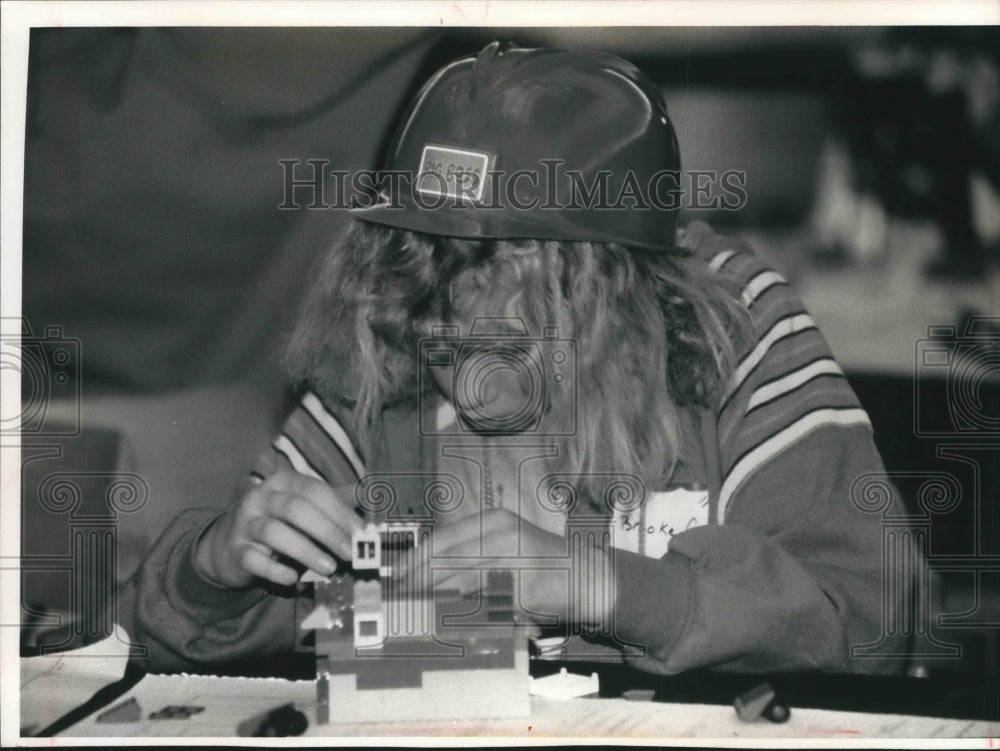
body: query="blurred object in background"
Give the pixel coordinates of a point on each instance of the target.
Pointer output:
(851, 225)
(919, 114)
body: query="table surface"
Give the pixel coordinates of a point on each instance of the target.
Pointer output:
(687, 706)
(229, 701)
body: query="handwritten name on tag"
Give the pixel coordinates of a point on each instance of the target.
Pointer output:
(648, 529)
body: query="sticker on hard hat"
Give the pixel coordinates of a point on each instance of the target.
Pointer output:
(452, 173)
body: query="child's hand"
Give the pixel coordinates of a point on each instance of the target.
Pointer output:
(557, 576)
(290, 515)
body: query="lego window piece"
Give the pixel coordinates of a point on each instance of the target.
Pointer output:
(367, 546)
(369, 614)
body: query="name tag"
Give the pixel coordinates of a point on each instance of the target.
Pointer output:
(648, 529)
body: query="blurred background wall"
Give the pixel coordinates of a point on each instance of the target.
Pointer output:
(153, 237)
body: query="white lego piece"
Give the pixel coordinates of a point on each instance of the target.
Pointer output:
(319, 618)
(564, 685)
(366, 548)
(369, 614)
(311, 577)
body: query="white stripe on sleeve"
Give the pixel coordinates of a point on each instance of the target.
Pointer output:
(332, 427)
(784, 327)
(768, 449)
(760, 284)
(299, 463)
(716, 263)
(793, 380)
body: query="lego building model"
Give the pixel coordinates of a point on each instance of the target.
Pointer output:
(388, 649)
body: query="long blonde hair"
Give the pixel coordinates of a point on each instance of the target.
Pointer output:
(655, 332)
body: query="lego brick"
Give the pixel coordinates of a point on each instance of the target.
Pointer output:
(311, 577)
(127, 711)
(321, 617)
(443, 695)
(279, 722)
(322, 700)
(369, 614)
(366, 545)
(564, 685)
(751, 704)
(397, 650)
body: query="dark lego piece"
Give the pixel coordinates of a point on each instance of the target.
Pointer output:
(175, 712)
(279, 722)
(322, 700)
(761, 701)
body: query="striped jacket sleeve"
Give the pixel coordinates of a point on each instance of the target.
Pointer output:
(314, 442)
(791, 577)
(187, 622)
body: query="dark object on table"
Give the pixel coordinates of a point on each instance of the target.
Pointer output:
(276, 723)
(761, 701)
(127, 711)
(639, 694)
(174, 712)
(777, 713)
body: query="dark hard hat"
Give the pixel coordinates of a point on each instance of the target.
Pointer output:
(535, 143)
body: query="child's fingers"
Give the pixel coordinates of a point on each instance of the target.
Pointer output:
(301, 512)
(258, 563)
(332, 503)
(278, 536)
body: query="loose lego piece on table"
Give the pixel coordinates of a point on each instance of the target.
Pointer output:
(564, 685)
(761, 701)
(638, 694)
(777, 712)
(127, 711)
(174, 712)
(279, 722)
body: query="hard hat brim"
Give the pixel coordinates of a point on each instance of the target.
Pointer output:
(474, 223)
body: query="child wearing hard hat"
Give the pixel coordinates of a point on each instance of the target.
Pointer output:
(521, 287)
